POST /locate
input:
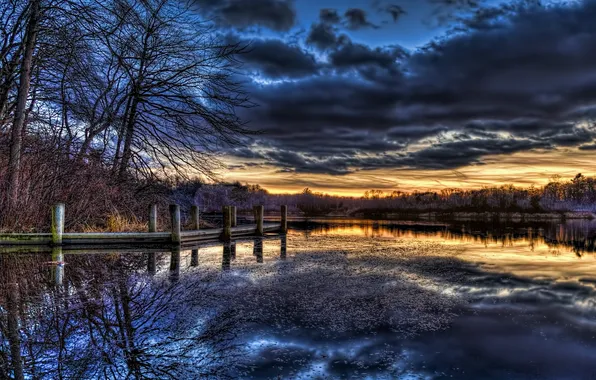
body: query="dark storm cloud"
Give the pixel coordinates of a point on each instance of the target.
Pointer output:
(353, 54)
(588, 147)
(276, 59)
(454, 154)
(322, 36)
(521, 84)
(278, 15)
(356, 18)
(329, 16)
(394, 10)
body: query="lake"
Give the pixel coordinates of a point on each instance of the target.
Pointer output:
(335, 299)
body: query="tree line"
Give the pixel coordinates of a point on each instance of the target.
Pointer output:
(577, 194)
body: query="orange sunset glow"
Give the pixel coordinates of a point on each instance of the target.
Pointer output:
(520, 169)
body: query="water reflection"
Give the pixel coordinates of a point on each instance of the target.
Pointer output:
(577, 236)
(330, 300)
(226, 259)
(194, 258)
(258, 249)
(283, 247)
(151, 263)
(175, 263)
(57, 265)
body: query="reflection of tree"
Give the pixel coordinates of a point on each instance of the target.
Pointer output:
(110, 321)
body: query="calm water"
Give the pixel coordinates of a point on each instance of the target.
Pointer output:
(335, 299)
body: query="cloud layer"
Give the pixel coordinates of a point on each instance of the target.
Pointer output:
(508, 79)
(279, 15)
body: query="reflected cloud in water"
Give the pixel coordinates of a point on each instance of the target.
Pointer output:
(339, 299)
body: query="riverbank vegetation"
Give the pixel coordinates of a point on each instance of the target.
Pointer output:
(110, 106)
(104, 104)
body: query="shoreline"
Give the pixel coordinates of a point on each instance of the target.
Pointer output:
(458, 215)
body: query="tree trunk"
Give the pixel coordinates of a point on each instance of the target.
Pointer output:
(14, 163)
(129, 134)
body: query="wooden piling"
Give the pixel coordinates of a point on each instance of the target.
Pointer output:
(194, 217)
(57, 224)
(227, 224)
(175, 217)
(284, 219)
(259, 215)
(234, 218)
(152, 218)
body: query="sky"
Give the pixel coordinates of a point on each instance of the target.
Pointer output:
(352, 95)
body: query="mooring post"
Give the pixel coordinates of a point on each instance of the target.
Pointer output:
(175, 217)
(284, 219)
(194, 217)
(153, 218)
(234, 219)
(259, 214)
(57, 223)
(227, 223)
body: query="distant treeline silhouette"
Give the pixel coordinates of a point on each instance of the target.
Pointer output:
(577, 194)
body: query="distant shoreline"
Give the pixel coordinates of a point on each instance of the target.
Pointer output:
(456, 215)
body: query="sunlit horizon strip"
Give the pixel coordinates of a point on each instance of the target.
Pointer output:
(519, 169)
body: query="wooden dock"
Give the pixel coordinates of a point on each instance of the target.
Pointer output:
(175, 236)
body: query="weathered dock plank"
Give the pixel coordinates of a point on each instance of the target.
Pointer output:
(92, 238)
(80, 249)
(174, 237)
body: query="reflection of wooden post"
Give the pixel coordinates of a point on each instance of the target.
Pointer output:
(259, 214)
(283, 249)
(227, 223)
(233, 251)
(153, 218)
(258, 249)
(175, 264)
(175, 217)
(234, 219)
(57, 223)
(58, 265)
(151, 263)
(284, 219)
(194, 258)
(14, 340)
(227, 256)
(194, 217)
(151, 257)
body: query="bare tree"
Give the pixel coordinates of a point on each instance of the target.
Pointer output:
(172, 93)
(29, 44)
